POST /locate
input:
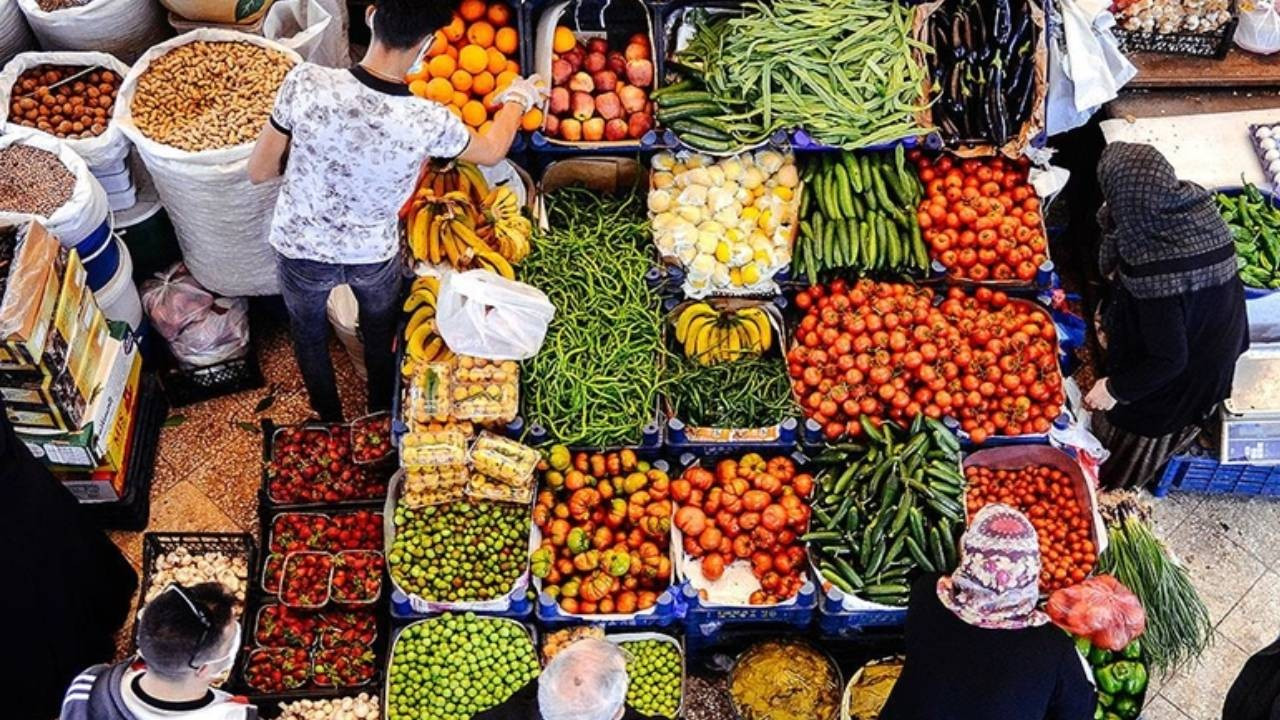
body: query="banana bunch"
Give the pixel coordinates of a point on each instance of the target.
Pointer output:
(422, 343)
(712, 336)
(454, 216)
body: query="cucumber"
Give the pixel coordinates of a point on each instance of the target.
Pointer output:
(671, 89)
(682, 97)
(666, 116)
(699, 129)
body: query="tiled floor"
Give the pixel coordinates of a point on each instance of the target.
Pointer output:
(208, 474)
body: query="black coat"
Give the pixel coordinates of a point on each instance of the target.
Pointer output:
(1255, 695)
(69, 587)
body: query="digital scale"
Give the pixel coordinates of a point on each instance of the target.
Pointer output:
(1251, 416)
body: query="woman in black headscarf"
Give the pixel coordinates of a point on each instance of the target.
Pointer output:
(1176, 320)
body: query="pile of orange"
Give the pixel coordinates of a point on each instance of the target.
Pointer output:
(470, 60)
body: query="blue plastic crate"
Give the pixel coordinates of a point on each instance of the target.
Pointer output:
(668, 611)
(705, 621)
(1186, 473)
(520, 607)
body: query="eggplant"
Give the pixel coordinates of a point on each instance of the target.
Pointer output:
(1001, 23)
(997, 113)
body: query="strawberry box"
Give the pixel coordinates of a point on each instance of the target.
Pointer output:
(307, 465)
(345, 665)
(271, 571)
(276, 670)
(357, 577)
(346, 627)
(327, 532)
(371, 439)
(305, 579)
(280, 626)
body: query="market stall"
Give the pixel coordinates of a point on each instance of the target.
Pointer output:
(759, 314)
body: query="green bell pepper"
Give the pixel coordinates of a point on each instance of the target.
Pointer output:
(1137, 681)
(1132, 651)
(1099, 657)
(1083, 645)
(1126, 708)
(1111, 716)
(1108, 681)
(1105, 699)
(1097, 712)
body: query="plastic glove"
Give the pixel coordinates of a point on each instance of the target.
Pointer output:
(528, 92)
(1099, 397)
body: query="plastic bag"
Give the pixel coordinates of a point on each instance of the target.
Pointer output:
(300, 25)
(1259, 28)
(1101, 609)
(1086, 67)
(482, 314)
(201, 329)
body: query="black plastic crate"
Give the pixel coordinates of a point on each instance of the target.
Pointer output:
(1206, 45)
(387, 465)
(186, 387)
(155, 544)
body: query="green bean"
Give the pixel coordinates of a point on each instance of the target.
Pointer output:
(746, 393)
(596, 381)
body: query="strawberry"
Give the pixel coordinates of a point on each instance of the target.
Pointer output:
(371, 438)
(271, 573)
(299, 531)
(344, 665)
(357, 576)
(272, 670)
(346, 627)
(279, 626)
(305, 580)
(311, 465)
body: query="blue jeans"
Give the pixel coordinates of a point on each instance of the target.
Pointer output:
(305, 285)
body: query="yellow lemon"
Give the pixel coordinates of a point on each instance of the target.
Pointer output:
(722, 252)
(750, 274)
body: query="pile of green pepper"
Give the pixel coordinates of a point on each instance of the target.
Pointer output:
(1121, 678)
(1255, 227)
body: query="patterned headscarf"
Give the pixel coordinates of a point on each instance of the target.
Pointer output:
(997, 584)
(1161, 235)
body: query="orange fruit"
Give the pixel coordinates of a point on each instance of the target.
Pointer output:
(480, 33)
(497, 61)
(563, 41)
(482, 83)
(472, 10)
(484, 129)
(452, 52)
(461, 80)
(531, 120)
(499, 14)
(460, 98)
(506, 40)
(438, 45)
(474, 114)
(513, 67)
(418, 87)
(490, 103)
(455, 29)
(473, 59)
(504, 79)
(440, 90)
(441, 66)
(455, 110)
(421, 71)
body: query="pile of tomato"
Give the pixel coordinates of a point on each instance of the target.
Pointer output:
(748, 510)
(888, 351)
(1047, 496)
(981, 217)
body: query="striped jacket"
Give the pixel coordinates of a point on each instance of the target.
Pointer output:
(99, 694)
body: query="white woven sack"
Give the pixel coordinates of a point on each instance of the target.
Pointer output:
(124, 28)
(104, 149)
(335, 48)
(221, 219)
(15, 34)
(301, 25)
(80, 215)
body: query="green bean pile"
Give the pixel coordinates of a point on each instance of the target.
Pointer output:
(595, 382)
(846, 71)
(747, 393)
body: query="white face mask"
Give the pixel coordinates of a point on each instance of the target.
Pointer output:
(219, 668)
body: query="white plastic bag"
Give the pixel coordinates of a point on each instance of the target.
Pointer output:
(201, 329)
(1086, 67)
(15, 34)
(1259, 28)
(300, 25)
(84, 212)
(221, 219)
(109, 147)
(123, 28)
(483, 314)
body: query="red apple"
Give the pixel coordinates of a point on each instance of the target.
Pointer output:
(594, 63)
(633, 98)
(551, 126)
(574, 58)
(605, 80)
(559, 103)
(560, 72)
(615, 129)
(640, 72)
(617, 62)
(598, 45)
(593, 129)
(582, 105)
(639, 124)
(570, 129)
(608, 106)
(581, 82)
(637, 51)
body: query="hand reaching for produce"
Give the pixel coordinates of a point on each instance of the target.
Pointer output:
(1099, 397)
(529, 92)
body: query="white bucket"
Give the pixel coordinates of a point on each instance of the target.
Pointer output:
(119, 299)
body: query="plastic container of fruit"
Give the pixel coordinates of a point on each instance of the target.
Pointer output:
(614, 22)
(277, 658)
(529, 630)
(620, 639)
(406, 604)
(270, 521)
(272, 567)
(339, 558)
(292, 561)
(266, 641)
(486, 392)
(378, 425)
(367, 660)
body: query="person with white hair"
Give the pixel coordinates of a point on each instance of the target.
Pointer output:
(585, 681)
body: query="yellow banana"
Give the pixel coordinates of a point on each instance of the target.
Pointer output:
(692, 332)
(432, 349)
(418, 235)
(416, 344)
(497, 263)
(758, 319)
(688, 315)
(452, 248)
(429, 283)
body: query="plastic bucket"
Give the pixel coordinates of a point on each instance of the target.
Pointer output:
(102, 262)
(118, 299)
(116, 182)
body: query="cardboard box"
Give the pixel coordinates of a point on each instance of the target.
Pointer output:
(68, 314)
(99, 442)
(30, 294)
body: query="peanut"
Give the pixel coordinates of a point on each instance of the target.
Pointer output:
(208, 95)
